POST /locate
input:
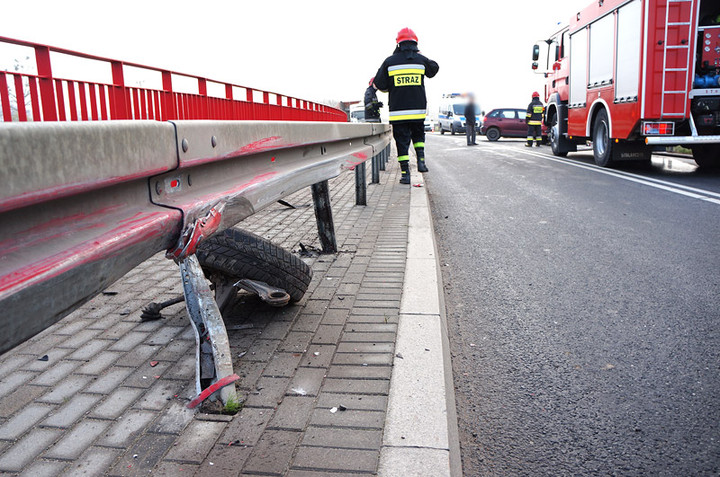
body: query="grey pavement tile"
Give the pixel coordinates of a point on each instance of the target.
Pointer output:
(364, 419)
(356, 386)
(54, 356)
(272, 453)
(307, 380)
(222, 460)
(363, 359)
(173, 469)
(93, 463)
(89, 349)
(345, 347)
(335, 317)
(116, 403)
(72, 410)
(139, 356)
(57, 372)
(77, 440)
(261, 350)
(79, 339)
(327, 334)
(282, 364)
(44, 468)
(17, 457)
(360, 372)
(351, 336)
(99, 363)
(129, 341)
(247, 426)
(164, 335)
(174, 419)
(143, 455)
(19, 398)
(322, 359)
(109, 381)
(124, 431)
(197, 440)
(268, 393)
(67, 388)
(12, 362)
(336, 459)
(24, 420)
(157, 397)
(307, 323)
(293, 413)
(296, 342)
(342, 437)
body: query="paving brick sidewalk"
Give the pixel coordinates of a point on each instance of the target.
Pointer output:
(98, 407)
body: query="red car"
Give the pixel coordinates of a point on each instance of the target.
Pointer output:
(506, 122)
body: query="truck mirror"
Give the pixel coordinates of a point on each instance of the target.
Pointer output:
(536, 52)
(557, 52)
(535, 65)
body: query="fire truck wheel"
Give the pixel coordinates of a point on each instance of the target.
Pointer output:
(238, 254)
(554, 138)
(602, 145)
(492, 134)
(707, 156)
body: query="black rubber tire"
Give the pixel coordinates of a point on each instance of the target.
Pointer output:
(492, 134)
(452, 129)
(239, 254)
(554, 138)
(442, 131)
(707, 156)
(602, 143)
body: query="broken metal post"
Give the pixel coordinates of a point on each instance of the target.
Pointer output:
(213, 358)
(360, 185)
(323, 215)
(376, 169)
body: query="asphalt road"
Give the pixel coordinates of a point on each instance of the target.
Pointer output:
(583, 310)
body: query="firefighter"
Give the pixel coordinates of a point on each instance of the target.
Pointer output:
(402, 75)
(372, 105)
(533, 118)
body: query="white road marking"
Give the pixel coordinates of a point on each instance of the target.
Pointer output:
(680, 189)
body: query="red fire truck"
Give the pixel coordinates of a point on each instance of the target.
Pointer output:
(635, 75)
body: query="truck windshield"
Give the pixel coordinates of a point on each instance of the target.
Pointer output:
(460, 109)
(358, 114)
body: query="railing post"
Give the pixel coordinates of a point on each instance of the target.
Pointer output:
(381, 159)
(323, 215)
(170, 112)
(118, 106)
(360, 185)
(376, 169)
(47, 90)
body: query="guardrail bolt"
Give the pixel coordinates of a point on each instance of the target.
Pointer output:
(213, 141)
(185, 145)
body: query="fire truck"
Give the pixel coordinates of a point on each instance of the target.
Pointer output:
(633, 76)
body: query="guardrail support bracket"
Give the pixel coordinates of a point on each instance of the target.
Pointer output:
(360, 185)
(323, 215)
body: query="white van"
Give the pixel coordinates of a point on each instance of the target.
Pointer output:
(451, 114)
(357, 112)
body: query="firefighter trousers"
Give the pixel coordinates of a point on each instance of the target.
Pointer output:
(534, 134)
(405, 132)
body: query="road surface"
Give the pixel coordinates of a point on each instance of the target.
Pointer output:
(583, 309)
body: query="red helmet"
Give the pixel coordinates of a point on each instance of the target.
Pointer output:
(536, 94)
(406, 34)
(371, 81)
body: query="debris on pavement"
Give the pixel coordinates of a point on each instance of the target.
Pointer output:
(333, 410)
(417, 185)
(153, 363)
(240, 355)
(245, 326)
(109, 293)
(299, 391)
(342, 408)
(44, 358)
(399, 356)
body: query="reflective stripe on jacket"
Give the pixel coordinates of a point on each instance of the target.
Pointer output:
(535, 112)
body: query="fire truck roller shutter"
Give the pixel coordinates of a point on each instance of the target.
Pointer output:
(602, 33)
(578, 67)
(627, 74)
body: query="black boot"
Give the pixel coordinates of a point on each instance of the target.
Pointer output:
(405, 167)
(421, 166)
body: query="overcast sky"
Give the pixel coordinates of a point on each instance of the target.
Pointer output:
(310, 49)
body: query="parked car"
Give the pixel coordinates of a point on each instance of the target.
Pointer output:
(506, 122)
(429, 124)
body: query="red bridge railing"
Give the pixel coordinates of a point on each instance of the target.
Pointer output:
(28, 96)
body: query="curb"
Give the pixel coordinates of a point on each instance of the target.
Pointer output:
(421, 436)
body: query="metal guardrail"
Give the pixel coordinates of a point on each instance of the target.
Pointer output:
(82, 204)
(41, 96)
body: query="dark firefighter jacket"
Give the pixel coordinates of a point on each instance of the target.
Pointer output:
(372, 105)
(402, 75)
(535, 112)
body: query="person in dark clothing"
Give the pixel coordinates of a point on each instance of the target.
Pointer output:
(372, 105)
(533, 118)
(470, 114)
(402, 75)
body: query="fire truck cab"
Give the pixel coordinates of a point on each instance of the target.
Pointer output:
(633, 75)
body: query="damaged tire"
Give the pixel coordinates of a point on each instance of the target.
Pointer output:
(239, 254)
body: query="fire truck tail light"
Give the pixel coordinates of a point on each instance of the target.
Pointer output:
(658, 128)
